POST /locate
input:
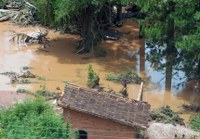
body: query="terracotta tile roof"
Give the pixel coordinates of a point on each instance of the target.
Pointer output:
(128, 112)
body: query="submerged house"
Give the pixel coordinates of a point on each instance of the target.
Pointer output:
(102, 116)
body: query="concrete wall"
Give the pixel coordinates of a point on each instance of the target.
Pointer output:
(98, 128)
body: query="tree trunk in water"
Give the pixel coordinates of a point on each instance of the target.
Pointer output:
(106, 15)
(171, 49)
(168, 72)
(118, 21)
(141, 32)
(198, 69)
(92, 26)
(119, 12)
(90, 31)
(142, 58)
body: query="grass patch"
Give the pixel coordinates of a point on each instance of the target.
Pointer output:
(43, 92)
(195, 122)
(24, 91)
(41, 78)
(166, 115)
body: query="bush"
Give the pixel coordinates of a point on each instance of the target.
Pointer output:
(128, 76)
(45, 11)
(93, 77)
(33, 119)
(166, 115)
(195, 122)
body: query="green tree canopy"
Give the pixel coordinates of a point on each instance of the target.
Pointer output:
(175, 21)
(89, 18)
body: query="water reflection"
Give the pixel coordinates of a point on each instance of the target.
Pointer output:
(161, 69)
(166, 80)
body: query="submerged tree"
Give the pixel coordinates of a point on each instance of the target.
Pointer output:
(89, 18)
(173, 26)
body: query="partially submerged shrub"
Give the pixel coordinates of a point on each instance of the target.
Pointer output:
(129, 76)
(195, 122)
(166, 115)
(43, 92)
(93, 77)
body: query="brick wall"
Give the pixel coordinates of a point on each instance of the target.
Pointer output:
(98, 128)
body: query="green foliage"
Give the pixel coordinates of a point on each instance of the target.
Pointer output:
(45, 11)
(166, 115)
(32, 119)
(42, 78)
(93, 77)
(177, 21)
(129, 76)
(195, 122)
(43, 92)
(76, 135)
(87, 18)
(59, 12)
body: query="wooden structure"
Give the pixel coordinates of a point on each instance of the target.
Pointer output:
(102, 116)
(140, 94)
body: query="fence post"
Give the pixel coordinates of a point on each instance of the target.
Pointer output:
(140, 94)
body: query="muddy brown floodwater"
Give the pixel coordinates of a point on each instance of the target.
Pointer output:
(58, 63)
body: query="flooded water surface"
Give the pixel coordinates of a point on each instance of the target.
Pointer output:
(58, 63)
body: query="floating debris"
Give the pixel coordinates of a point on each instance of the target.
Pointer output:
(38, 36)
(21, 78)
